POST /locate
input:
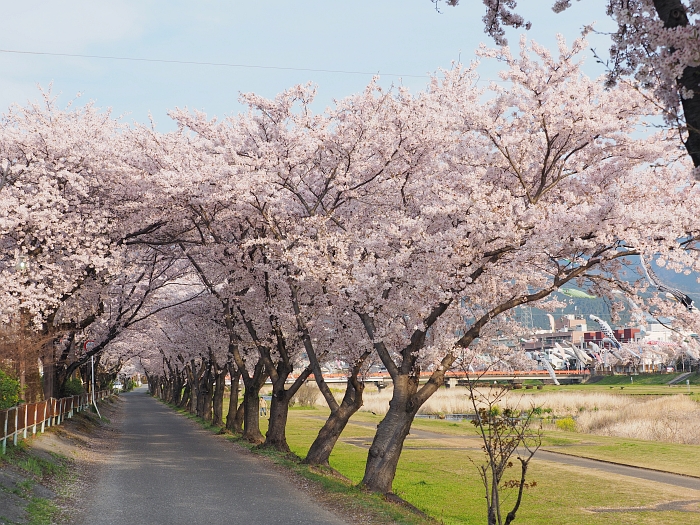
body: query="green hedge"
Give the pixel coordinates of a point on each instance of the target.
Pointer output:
(73, 387)
(9, 391)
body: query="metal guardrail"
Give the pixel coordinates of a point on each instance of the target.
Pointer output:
(33, 417)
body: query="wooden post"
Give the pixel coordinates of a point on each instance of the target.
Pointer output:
(24, 430)
(4, 434)
(43, 419)
(36, 414)
(14, 436)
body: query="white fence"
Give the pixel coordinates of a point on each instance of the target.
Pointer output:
(20, 420)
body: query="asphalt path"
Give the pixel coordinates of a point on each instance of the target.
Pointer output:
(167, 470)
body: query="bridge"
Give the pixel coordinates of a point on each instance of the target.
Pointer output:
(453, 379)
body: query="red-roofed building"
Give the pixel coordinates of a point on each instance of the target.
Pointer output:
(625, 335)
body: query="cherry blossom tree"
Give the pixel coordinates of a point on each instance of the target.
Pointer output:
(206, 225)
(489, 206)
(63, 189)
(656, 44)
(279, 144)
(429, 216)
(392, 226)
(57, 175)
(184, 354)
(72, 214)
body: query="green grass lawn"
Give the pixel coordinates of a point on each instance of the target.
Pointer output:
(670, 457)
(436, 472)
(445, 484)
(641, 379)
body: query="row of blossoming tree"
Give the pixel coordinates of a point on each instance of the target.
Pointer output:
(393, 228)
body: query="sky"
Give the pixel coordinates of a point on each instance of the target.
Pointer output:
(402, 40)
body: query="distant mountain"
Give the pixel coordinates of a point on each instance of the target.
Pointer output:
(584, 307)
(687, 283)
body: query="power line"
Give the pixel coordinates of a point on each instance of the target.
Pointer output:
(223, 64)
(219, 64)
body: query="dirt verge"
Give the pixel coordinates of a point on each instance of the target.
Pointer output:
(41, 478)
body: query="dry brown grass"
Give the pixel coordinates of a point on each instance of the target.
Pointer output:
(457, 401)
(671, 419)
(307, 396)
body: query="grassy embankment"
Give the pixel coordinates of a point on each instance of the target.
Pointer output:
(37, 477)
(642, 384)
(20, 490)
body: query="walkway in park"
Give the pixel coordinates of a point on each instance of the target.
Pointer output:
(167, 470)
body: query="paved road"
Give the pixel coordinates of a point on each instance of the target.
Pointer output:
(169, 471)
(625, 470)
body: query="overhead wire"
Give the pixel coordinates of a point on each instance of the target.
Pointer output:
(218, 64)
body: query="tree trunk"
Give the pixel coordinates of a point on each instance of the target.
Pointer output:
(152, 385)
(251, 413)
(205, 392)
(59, 381)
(208, 380)
(185, 401)
(276, 436)
(327, 437)
(159, 392)
(673, 14)
(168, 389)
(218, 408)
(387, 445)
(207, 398)
(201, 394)
(321, 448)
(239, 419)
(60, 369)
(192, 379)
(251, 402)
(177, 388)
(233, 407)
(49, 378)
(22, 371)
